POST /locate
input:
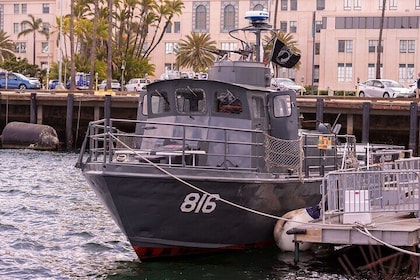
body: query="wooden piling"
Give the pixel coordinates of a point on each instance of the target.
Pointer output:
(366, 122)
(33, 108)
(69, 121)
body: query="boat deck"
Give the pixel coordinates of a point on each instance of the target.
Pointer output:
(393, 228)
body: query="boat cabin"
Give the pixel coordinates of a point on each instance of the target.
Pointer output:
(227, 121)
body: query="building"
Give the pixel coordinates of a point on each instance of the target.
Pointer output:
(338, 39)
(13, 13)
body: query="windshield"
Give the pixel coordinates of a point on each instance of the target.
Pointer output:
(392, 84)
(20, 76)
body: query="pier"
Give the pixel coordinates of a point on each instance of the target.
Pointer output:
(385, 120)
(373, 208)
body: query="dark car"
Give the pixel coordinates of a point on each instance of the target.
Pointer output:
(17, 81)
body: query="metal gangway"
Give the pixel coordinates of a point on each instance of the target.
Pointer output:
(354, 196)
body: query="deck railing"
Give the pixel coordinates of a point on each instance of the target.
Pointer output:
(183, 145)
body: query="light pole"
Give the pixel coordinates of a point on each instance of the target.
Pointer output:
(60, 54)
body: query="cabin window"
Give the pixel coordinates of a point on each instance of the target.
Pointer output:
(159, 102)
(258, 107)
(227, 102)
(190, 100)
(144, 105)
(282, 106)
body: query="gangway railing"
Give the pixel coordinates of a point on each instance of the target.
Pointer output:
(356, 195)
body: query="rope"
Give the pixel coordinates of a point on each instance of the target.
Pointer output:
(367, 233)
(199, 189)
(358, 226)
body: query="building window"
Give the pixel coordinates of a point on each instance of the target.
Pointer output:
(44, 47)
(171, 48)
(406, 73)
(293, 27)
(320, 5)
(345, 46)
(200, 18)
(392, 4)
(177, 27)
(347, 4)
(293, 5)
(407, 46)
(317, 48)
(229, 46)
(357, 4)
(283, 5)
(316, 73)
(258, 5)
(16, 9)
(168, 28)
(20, 47)
(24, 8)
(372, 71)
(373, 45)
(15, 28)
(417, 4)
(45, 8)
(283, 26)
(229, 17)
(344, 72)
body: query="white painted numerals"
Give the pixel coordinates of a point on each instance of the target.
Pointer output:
(199, 203)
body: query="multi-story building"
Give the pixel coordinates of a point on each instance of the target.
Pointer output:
(338, 39)
(44, 49)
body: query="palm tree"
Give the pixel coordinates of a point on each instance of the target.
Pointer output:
(193, 52)
(6, 46)
(35, 26)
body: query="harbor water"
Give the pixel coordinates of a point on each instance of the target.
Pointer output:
(52, 226)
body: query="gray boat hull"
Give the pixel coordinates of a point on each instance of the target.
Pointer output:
(162, 216)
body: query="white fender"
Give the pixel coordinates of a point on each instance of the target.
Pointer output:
(285, 241)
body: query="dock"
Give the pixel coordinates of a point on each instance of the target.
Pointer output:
(377, 207)
(381, 120)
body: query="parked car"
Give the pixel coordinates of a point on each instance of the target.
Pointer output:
(286, 84)
(82, 81)
(383, 88)
(35, 81)
(52, 84)
(115, 85)
(136, 84)
(13, 80)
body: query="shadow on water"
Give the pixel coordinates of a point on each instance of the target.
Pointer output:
(267, 263)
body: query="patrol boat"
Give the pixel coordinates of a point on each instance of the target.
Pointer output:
(210, 165)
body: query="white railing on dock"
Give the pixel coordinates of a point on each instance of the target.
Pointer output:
(358, 194)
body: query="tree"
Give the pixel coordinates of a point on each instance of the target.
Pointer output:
(35, 26)
(7, 47)
(379, 48)
(193, 52)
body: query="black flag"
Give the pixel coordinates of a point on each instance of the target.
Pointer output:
(283, 56)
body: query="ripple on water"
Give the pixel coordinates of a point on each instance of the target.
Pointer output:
(52, 226)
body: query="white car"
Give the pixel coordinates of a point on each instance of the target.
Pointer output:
(286, 84)
(383, 88)
(35, 82)
(115, 85)
(136, 84)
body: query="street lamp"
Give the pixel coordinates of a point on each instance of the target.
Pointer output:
(60, 54)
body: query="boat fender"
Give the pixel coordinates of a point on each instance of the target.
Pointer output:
(20, 135)
(284, 240)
